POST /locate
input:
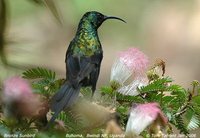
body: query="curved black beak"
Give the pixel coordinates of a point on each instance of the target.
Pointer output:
(113, 17)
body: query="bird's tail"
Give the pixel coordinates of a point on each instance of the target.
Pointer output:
(64, 98)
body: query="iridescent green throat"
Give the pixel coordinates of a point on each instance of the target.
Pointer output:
(86, 41)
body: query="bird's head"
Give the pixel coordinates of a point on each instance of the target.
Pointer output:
(96, 19)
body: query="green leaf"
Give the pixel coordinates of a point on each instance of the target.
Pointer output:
(194, 123)
(180, 125)
(167, 99)
(196, 100)
(45, 82)
(86, 92)
(37, 73)
(129, 98)
(46, 87)
(192, 119)
(106, 90)
(72, 120)
(175, 88)
(157, 85)
(178, 94)
(122, 109)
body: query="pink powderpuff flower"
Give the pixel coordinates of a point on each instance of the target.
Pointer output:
(16, 88)
(18, 98)
(128, 62)
(142, 116)
(135, 60)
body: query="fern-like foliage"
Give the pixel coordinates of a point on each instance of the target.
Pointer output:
(192, 115)
(129, 98)
(181, 106)
(72, 120)
(167, 94)
(43, 81)
(86, 92)
(194, 123)
(37, 73)
(106, 90)
(157, 85)
(180, 125)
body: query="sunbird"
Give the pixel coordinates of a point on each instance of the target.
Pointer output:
(83, 61)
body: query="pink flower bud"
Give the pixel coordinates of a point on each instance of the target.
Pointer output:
(15, 88)
(142, 116)
(18, 96)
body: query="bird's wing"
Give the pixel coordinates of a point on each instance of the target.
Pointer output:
(78, 68)
(95, 72)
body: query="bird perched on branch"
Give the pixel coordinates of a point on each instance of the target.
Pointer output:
(83, 61)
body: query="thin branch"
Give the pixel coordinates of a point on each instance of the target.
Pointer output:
(183, 109)
(161, 99)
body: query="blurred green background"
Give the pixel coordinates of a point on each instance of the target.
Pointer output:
(164, 29)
